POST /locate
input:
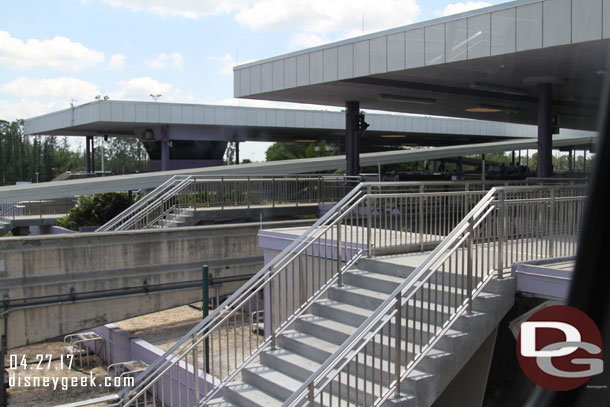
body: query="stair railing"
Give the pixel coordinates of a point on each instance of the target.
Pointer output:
(141, 205)
(307, 267)
(285, 288)
(288, 285)
(423, 308)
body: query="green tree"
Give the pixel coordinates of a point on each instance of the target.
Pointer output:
(124, 156)
(95, 210)
(291, 151)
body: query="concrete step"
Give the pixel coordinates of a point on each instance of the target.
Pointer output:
(358, 296)
(275, 382)
(378, 265)
(244, 394)
(355, 316)
(384, 283)
(282, 373)
(318, 328)
(220, 402)
(312, 348)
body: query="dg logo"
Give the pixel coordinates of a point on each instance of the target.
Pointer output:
(559, 348)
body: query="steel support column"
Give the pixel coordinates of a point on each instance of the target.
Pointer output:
(237, 152)
(92, 154)
(352, 138)
(545, 130)
(88, 153)
(164, 149)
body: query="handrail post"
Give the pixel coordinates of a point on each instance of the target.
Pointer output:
(271, 331)
(195, 372)
(369, 209)
(552, 225)
(319, 190)
(310, 394)
(469, 260)
(205, 299)
(222, 192)
(421, 218)
(398, 343)
(273, 192)
(501, 232)
(248, 190)
(340, 282)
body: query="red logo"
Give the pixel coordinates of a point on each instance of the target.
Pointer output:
(559, 348)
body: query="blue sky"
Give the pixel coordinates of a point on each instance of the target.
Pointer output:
(53, 52)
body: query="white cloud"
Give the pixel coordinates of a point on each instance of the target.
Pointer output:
(323, 16)
(25, 109)
(339, 18)
(54, 88)
(174, 61)
(59, 53)
(307, 40)
(192, 9)
(228, 63)
(456, 8)
(116, 63)
(141, 88)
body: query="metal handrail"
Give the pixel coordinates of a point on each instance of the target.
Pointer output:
(172, 191)
(343, 356)
(153, 200)
(365, 328)
(237, 299)
(140, 204)
(341, 253)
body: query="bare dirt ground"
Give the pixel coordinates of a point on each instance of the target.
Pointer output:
(31, 395)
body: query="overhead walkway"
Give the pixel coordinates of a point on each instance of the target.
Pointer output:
(70, 188)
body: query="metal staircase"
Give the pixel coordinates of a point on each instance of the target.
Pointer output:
(344, 325)
(173, 203)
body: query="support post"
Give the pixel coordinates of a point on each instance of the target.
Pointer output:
(482, 167)
(92, 155)
(552, 230)
(570, 164)
(237, 152)
(164, 149)
(584, 161)
(352, 138)
(205, 301)
(460, 167)
(88, 153)
(545, 130)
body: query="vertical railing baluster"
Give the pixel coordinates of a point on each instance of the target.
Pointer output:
(469, 264)
(398, 343)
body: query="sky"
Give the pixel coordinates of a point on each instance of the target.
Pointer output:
(54, 53)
